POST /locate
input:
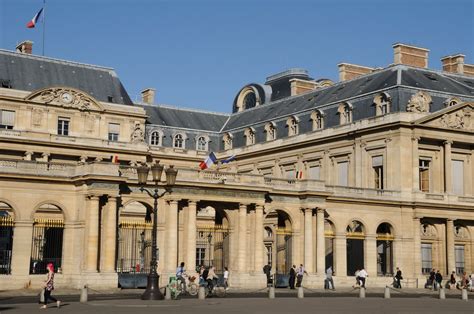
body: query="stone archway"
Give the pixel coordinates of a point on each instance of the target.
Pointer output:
(385, 238)
(7, 222)
(355, 237)
(278, 241)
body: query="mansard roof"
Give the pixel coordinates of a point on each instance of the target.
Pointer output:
(31, 72)
(185, 118)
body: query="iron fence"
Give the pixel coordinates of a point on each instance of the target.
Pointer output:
(134, 247)
(47, 245)
(213, 241)
(6, 244)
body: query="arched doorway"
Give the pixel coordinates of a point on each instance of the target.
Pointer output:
(355, 235)
(278, 242)
(329, 244)
(212, 238)
(7, 221)
(47, 241)
(384, 249)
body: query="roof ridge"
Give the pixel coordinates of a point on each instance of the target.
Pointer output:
(184, 109)
(43, 58)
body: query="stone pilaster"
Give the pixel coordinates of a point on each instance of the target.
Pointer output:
(110, 231)
(448, 182)
(308, 240)
(259, 247)
(191, 236)
(172, 236)
(416, 247)
(415, 164)
(371, 254)
(22, 248)
(451, 265)
(92, 238)
(340, 254)
(242, 244)
(320, 242)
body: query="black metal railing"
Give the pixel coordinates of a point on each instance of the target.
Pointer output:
(134, 247)
(6, 244)
(47, 245)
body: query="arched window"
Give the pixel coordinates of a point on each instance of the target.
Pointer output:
(271, 131)
(155, 138)
(453, 101)
(178, 141)
(227, 140)
(345, 113)
(292, 124)
(250, 136)
(201, 143)
(382, 104)
(317, 117)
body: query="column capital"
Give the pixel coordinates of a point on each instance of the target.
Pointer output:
(448, 142)
(415, 138)
(192, 201)
(172, 201)
(244, 205)
(417, 217)
(320, 210)
(308, 210)
(93, 197)
(259, 207)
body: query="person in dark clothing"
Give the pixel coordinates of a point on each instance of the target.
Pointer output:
(266, 270)
(292, 277)
(431, 279)
(398, 278)
(438, 279)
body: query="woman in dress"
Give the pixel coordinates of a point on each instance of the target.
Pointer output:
(49, 287)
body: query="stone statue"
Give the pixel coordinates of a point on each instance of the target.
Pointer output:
(137, 134)
(420, 102)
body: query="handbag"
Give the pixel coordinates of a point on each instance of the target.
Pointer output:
(41, 296)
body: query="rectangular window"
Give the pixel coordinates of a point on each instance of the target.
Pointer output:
(342, 170)
(457, 168)
(377, 166)
(114, 131)
(290, 174)
(7, 119)
(459, 258)
(200, 256)
(314, 172)
(426, 258)
(424, 168)
(63, 126)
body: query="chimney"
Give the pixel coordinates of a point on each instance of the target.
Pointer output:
(455, 64)
(410, 55)
(148, 96)
(299, 86)
(25, 47)
(349, 71)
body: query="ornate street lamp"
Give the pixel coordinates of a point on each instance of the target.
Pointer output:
(152, 291)
(209, 239)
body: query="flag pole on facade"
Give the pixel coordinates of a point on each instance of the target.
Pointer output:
(44, 21)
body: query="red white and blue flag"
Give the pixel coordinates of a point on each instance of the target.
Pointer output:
(34, 20)
(208, 162)
(228, 159)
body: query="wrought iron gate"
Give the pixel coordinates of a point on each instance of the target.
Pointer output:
(6, 244)
(212, 246)
(47, 245)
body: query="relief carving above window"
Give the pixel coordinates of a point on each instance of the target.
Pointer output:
(66, 98)
(420, 102)
(428, 231)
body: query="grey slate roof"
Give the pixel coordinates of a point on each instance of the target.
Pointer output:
(30, 72)
(185, 118)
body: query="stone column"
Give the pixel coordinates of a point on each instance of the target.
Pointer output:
(92, 241)
(448, 184)
(308, 240)
(320, 242)
(451, 264)
(23, 234)
(191, 236)
(258, 239)
(110, 232)
(415, 164)
(416, 247)
(172, 236)
(242, 257)
(371, 254)
(340, 254)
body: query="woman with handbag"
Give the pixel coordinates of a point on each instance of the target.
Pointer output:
(49, 287)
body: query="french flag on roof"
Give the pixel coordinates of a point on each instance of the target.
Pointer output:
(208, 162)
(227, 160)
(34, 20)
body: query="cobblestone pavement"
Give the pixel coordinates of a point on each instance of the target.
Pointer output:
(257, 305)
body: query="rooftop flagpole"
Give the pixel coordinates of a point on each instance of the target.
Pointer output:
(44, 21)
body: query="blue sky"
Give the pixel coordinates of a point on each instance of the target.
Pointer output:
(199, 53)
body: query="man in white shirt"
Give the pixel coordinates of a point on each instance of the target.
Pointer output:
(362, 276)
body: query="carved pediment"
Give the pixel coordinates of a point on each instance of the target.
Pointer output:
(458, 117)
(66, 98)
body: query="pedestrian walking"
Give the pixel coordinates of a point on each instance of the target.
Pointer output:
(398, 278)
(356, 274)
(226, 278)
(362, 277)
(292, 277)
(299, 275)
(266, 270)
(49, 287)
(329, 280)
(438, 279)
(180, 274)
(452, 281)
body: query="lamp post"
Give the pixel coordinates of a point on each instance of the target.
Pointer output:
(152, 291)
(209, 239)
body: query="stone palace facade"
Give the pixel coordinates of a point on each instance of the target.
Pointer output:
(374, 171)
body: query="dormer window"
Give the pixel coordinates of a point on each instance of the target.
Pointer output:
(345, 113)
(155, 138)
(452, 102)
(271, 131)
(318, 120)
(227, 139)
(250, 136)
(202, 143)
(178, 141)
(292, 124)
(382, 104)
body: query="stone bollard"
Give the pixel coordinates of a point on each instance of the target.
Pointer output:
(442, 293)
(201, 293)
(168, 293)
(386, 294)
(464, 294)
(300, 293)
(271, 293)
(362, 293)
(83, 298)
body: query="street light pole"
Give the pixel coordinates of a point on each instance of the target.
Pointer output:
(209, 239)
(152, 291)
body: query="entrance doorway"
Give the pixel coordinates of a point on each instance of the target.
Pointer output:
(355, 247)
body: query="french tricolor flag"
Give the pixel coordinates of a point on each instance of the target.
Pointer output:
(34, 20)
(210, 160)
